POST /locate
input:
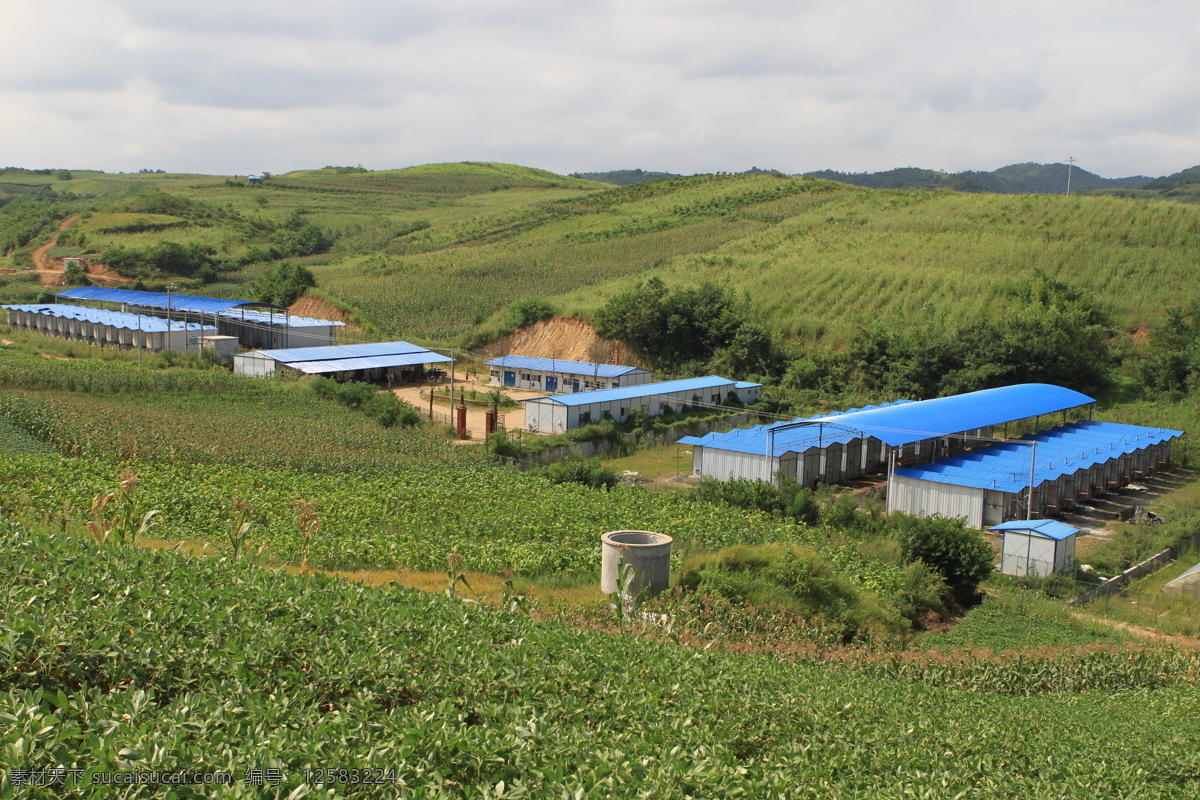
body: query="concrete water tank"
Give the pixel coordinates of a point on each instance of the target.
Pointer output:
(649, 553)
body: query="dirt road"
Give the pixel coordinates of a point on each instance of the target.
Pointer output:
(514, 418)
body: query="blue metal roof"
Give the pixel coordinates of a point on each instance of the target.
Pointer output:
(1043, 527)
(584, 368)
(912, 422)
(329, 352)
(369, 362)
(182, 302)
(1064, 450)
(195, 304)
(278, 319)
(825, 429)
(113, 319)
(634, 392)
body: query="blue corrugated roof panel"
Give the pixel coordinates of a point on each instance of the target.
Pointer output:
(113, 319)
(194, 303)
(824, 429)
(634, 392)
(182, 302)
(562, 366)
(329, 352)
(369, 362)
(911, 422)
(1049, 528)
(278, 319)
(1061, 451)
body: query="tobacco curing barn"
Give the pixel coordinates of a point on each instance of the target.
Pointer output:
(254, 324)
(936, 461)
(564, 412)
(361, 362)
(805, 450)
(557, 375)
(100, 327)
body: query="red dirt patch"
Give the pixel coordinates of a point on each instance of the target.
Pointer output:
(1141, 335)
(567, 338)
(317, 308)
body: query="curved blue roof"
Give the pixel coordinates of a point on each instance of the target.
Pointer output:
(899, 425)
(789, 439)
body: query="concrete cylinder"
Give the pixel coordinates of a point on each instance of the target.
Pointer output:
(649, 553)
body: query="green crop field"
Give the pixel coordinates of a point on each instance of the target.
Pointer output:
(114, 657)
(118, 660)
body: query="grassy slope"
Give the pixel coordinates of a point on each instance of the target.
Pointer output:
(819, 259)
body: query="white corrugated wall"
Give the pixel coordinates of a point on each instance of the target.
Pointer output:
(926, 498)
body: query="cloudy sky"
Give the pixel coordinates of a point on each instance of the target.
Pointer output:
(237, 86)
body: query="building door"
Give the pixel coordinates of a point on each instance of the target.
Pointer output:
(510, 378)
(575, 386)
(551, 383)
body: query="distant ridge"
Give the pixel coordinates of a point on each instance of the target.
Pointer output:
(1028, 178)
(624, 177)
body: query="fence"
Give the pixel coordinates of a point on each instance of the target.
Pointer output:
(1151, 564)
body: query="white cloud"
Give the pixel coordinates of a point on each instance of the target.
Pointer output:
(679, 85)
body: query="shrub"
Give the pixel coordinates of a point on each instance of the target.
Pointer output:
(587, 472)
(527, 311)
(958, 554)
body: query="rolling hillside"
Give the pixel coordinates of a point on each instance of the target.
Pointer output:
(436, 252)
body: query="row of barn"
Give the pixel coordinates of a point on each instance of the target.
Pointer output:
(941, 456)
(99, 327)
(251, 323)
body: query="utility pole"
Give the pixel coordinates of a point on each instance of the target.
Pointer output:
(171, 288)
(1071, 161)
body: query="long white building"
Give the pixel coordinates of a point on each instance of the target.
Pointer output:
(559, 375)
(560, 413)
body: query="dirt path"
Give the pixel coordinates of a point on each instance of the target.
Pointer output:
(41, 258)
(50, 271)
(514, 418)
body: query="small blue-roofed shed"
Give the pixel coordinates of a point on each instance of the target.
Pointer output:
(562, 376)
(1036, 547)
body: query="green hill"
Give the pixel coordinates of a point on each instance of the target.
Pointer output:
(436, 251)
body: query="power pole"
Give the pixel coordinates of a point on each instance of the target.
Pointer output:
(1071, 161)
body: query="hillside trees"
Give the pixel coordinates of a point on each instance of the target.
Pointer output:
(1053, 334)
(283, 284)
(671, 328)
(1172, 363)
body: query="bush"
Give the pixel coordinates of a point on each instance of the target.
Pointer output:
(527, 311)
(959, 555)
(796, 579)
(586, 472)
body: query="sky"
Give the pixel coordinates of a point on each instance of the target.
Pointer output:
(684, 86)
